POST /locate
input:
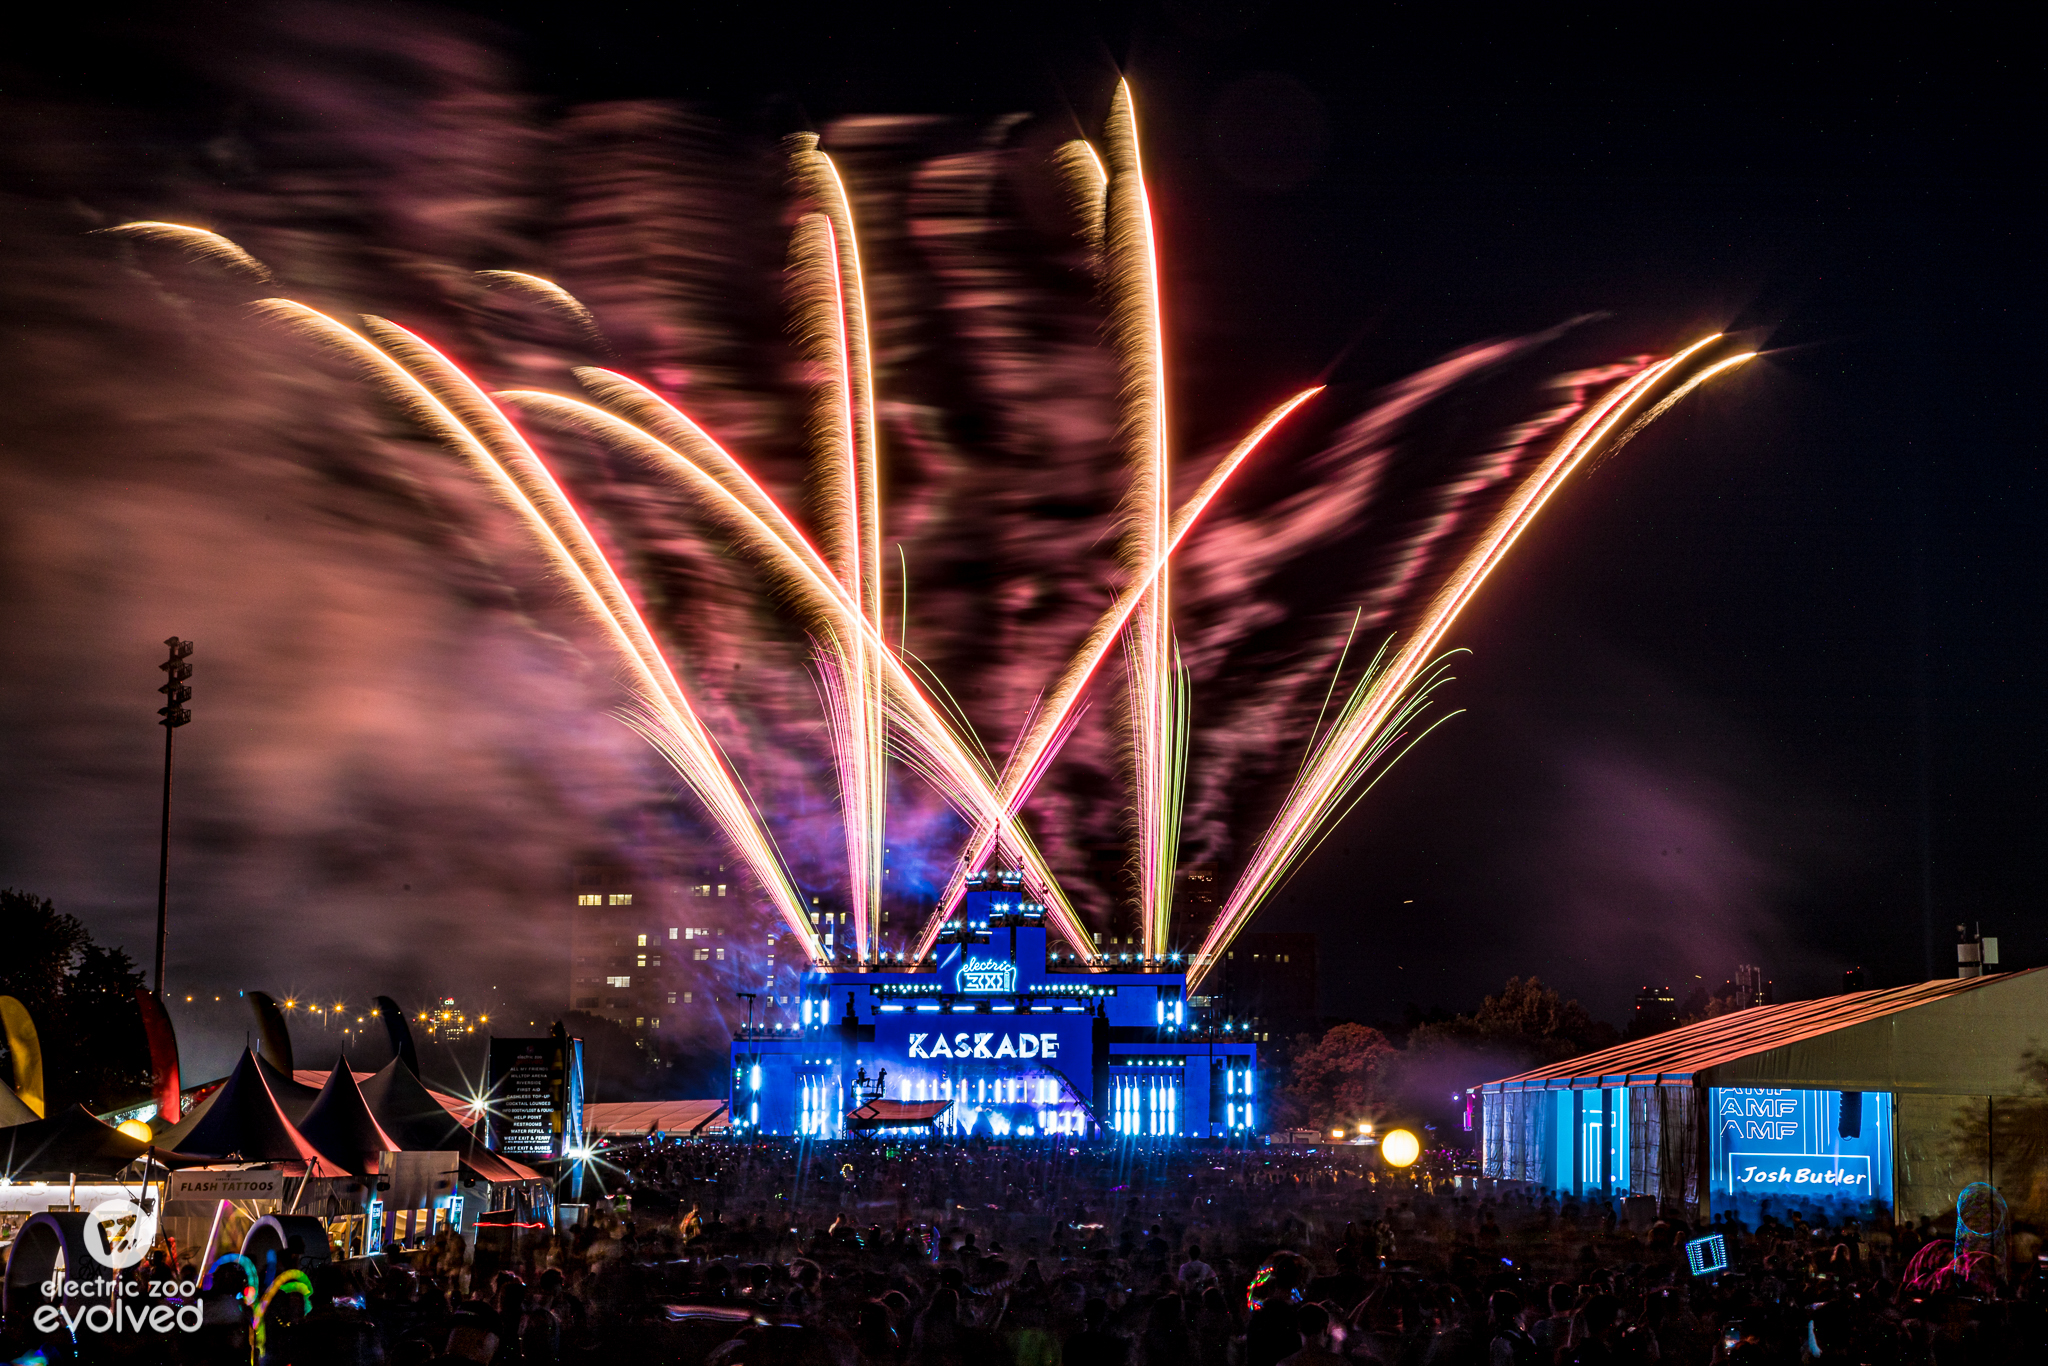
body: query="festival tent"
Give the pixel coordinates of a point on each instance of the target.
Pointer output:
(242, 1118)
(405, 1109)
(465, 1112)
(1938, 1084)
(12, 1110)
(75, 1142)
(293, 1096)
(295, 1091)
(341, 1126)
(633, 1117)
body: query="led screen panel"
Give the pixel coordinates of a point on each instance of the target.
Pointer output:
(1826, 1152)
(1022, 1074)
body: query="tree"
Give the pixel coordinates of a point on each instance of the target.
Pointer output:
(1338, 1079)
(42, 944)
(81, 997)
(1527, 1020)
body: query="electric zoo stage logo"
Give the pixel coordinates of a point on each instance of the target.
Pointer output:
(118, 1234)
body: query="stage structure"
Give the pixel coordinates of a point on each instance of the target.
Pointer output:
(996, 1042)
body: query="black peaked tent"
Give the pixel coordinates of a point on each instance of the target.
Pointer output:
(74, 1141)
(341, 1126)
(242, 1119)
(13, 1109)
(294, 1097)
(407, 1111)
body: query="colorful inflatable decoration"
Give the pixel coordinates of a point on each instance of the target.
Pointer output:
(27, 1051)
(270, 1027)
(163, 1056)
(399, 1033)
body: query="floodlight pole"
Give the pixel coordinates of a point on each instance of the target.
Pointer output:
(174, 715)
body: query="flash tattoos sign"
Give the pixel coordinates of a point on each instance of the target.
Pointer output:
(984, 1044)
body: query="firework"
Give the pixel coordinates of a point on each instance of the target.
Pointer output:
(833, 320)
(550, 296)
(1393, 693)
(687, 455)
(199, 242)
(1157, 707)
(450, 405)
(878, 702)
(1054, 717)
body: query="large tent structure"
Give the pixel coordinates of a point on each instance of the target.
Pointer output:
(675, 1118)
(413, 1115)
(242, 1119)
(294, 1097)
(1871, 1100)
(341, 1126)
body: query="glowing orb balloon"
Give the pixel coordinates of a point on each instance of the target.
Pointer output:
(1400, 1148)
(135, 1128)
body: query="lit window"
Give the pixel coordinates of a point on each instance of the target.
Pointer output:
(703, 889)
(671, 931)
(643, 941)
(618, 981)
(622, 898)
(653, 1023)
(590, 899)
(721, 955)
(688, 998)
(671, 998)
(642, 961)
(703, 955)
(639, 1019)
(721, 889)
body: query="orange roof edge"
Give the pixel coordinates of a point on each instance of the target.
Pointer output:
(1676, 1056)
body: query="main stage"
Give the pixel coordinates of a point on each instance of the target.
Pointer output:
(992, 1042)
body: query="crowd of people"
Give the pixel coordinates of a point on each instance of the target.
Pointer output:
(779, 1253)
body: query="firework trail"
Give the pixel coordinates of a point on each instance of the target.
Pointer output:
(551, 296)
(832, 320)
(1394, 691)
(450, 406)
(1054, 716)
(197, 242)
(686, 454)
(1157, 700)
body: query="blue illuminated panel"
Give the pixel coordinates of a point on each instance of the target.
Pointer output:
(1830, 1150)
(1006, 1074)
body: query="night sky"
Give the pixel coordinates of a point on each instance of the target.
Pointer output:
(1756, 691)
